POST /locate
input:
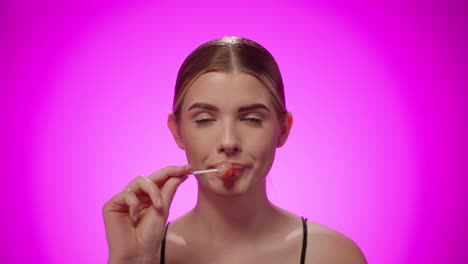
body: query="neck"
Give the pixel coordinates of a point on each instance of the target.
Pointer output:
(240, 217)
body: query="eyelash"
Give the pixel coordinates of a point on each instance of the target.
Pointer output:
(253, 120)
(249, 119)
(204, 120)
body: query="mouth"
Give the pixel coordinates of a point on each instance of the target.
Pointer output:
(237, 167)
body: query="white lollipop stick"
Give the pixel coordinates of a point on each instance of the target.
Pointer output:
(204, 171)
(223, 170)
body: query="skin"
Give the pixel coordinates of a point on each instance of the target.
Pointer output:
(224, 117)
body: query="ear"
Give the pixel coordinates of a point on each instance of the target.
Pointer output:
(285, 129)
(174, 128)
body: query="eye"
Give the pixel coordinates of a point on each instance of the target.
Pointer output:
(252, 119)
(204, 120)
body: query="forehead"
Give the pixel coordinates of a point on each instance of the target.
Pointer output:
(227, 89)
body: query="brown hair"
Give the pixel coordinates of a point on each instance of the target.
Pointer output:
(230, 54)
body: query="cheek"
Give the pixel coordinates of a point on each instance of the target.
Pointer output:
(262, 145)
(264, 152)
(197, 145)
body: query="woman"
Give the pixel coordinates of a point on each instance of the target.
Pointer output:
(229, 106)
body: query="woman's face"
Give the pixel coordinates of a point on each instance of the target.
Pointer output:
(229, 117)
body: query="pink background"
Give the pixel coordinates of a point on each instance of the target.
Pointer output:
(378, 92)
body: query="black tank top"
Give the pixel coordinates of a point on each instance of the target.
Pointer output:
(303, 250)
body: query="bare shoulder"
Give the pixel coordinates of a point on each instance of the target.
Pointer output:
(326, 245)
(179, 238)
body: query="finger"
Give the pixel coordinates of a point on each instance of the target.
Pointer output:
(162, 175)
(170, 188)
(143, 187)
(117, 203)
(133, 203)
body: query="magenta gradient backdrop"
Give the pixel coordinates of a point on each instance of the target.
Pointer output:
(378, 92)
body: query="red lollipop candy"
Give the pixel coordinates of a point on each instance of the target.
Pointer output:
(225, 169)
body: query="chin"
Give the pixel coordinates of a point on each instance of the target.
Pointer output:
(231, 190)
(232, 187)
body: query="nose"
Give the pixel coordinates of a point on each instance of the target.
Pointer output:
(229, 142)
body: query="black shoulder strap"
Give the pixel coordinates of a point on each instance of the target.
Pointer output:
(304, 239)
(163, 245)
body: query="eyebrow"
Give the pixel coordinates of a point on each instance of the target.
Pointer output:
(255, 106)
(245, 108)
(204, 106)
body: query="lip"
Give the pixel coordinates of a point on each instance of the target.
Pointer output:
(236, 166)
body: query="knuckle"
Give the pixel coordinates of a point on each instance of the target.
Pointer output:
(153, 190)
(131, 199)
(139, 178)
(146, 180)
(105, 207)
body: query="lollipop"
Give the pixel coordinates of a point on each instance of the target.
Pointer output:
(223, 169)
